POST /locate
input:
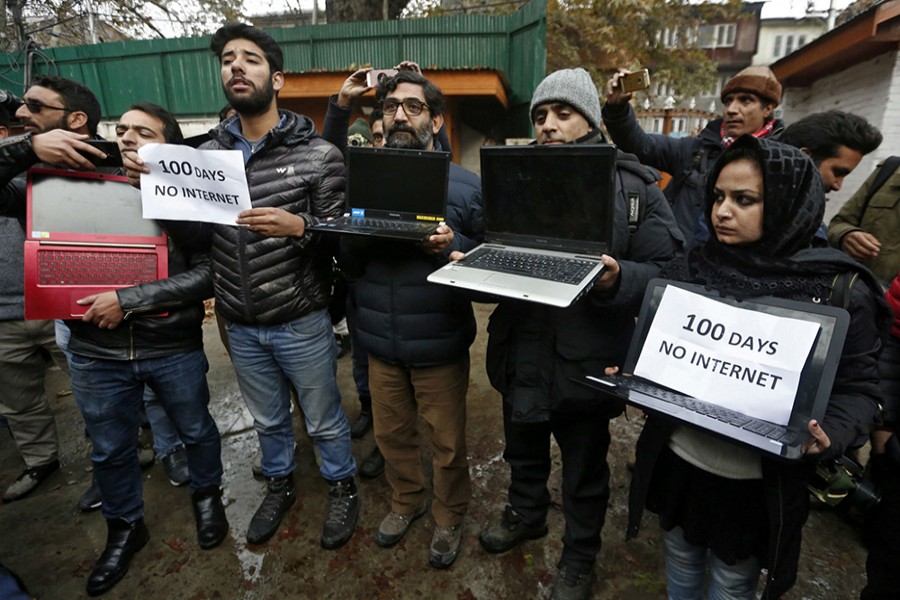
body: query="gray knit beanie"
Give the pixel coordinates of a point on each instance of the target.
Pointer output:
(573, 87)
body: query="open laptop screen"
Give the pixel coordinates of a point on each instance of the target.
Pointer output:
(86, 205)
(395, 180)
(558, 194)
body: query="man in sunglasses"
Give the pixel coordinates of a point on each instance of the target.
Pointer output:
(419, 367)
(57, 113)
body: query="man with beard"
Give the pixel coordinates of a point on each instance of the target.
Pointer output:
(419, 367)
(273, 281)
(57, 114)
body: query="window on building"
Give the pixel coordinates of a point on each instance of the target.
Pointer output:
(716, 36)
(777, 52)
(788, 44)
(801, 41)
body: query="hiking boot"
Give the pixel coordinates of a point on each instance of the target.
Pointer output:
(444, 545)
(393, 527)
(279, 498)
(176, 465)
(572, 584)
(373, 466)
(511, 530)
(91, 498)
(29, 479)
(343, 510)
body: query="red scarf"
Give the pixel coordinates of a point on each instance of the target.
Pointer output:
(766, 130)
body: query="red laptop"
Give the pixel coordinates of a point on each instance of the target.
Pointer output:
(85, 235)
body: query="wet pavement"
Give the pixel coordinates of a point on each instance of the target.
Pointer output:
(52, 546)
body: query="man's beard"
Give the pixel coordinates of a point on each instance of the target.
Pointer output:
(255, 104)
(418, 139)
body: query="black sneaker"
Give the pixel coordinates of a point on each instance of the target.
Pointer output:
(572, 584)
(91, 498)
(511, 530)
(279, 498)
(28, 480)
(343, 510)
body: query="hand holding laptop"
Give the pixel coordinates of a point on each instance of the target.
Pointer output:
(438, 242)
(105, 311)
(609, 276)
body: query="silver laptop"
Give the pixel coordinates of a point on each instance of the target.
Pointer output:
(393, 193)
(548, 216)
(810, 401)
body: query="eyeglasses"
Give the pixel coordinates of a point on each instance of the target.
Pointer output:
(36, 106)
(411, 107)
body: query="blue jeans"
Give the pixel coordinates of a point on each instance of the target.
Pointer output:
(110, 393)
(686, 566)
(165, 436)
(267, 359)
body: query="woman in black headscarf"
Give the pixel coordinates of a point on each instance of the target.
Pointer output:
(722, 507)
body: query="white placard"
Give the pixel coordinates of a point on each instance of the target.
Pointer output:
(193, 185)
(738, 358)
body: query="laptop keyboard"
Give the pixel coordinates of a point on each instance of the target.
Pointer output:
(775, 432)
(549, 268)
(56, 267)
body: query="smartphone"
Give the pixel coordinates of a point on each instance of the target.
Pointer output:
(376, 75)
(111, 149)
(633, 82)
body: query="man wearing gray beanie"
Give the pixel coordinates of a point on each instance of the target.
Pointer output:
(534, 349)
(748, 100)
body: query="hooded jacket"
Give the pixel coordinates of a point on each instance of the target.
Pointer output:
(780, 263)
(271, 280)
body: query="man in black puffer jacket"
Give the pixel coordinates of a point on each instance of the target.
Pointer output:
(417, 335)
(273, 281)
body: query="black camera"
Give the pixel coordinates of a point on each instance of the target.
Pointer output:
(10, 102)
(840, 482)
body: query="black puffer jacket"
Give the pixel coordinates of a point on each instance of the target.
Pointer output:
(401, 317)
(271, 280)
(533, 349)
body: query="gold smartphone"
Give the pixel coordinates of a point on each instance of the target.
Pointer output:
(633, 82)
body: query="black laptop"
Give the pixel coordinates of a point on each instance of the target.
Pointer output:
(781, 439)
(393, 193)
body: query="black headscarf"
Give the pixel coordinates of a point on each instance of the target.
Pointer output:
(781, 263)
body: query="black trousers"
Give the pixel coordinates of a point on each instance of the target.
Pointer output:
(882, 532)
(583, 440)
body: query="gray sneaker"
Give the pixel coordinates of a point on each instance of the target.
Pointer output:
(393, 527)
(444, 546)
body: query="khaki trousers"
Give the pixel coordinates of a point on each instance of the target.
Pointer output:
(22, 398)
(400, 395)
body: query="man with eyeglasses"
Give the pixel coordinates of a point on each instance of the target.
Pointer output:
(419, 366)
(57, 114)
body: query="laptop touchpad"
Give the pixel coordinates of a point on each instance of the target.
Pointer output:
(504, 280)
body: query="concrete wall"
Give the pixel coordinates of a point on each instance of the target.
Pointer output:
(871, 90)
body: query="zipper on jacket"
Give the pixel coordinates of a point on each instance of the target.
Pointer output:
(131, 350)
(245, 274)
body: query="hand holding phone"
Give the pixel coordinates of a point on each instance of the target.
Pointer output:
(111, 149)
(633, 82)
(374, 76)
